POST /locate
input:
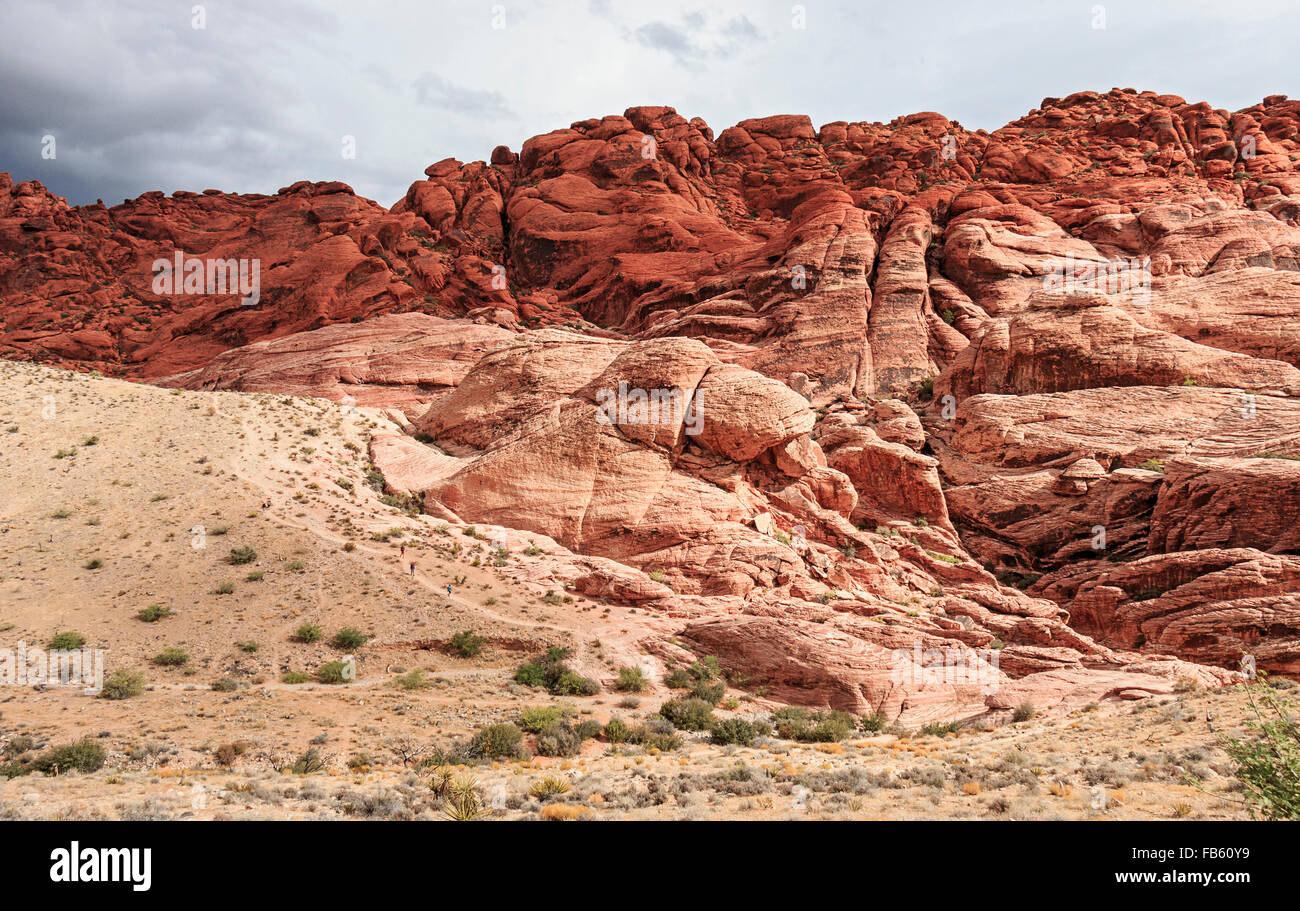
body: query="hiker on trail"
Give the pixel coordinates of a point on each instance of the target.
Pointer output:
(412, 569)
(448, 588)
(402, 553)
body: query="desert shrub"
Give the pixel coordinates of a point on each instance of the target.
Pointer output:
(308, 762)
(558, 740)
(550, 786)
(688, 714)
(227, 753)
(171, 657)
(874, 723)
(153, 613)
(94, 564)
(241, 555)
(587, 730)
(655, 735)
(225, 588)
(122, 684)
(631, 680)
(679, 678)
(464, 801)
(66, 642)
(467, 644)
(738, 731)
(295, 677)
(497, 741)
(796, 723)
(1268, 760)
(571, 684)
(308, 632)
(941, 728)
(227, 685)
(536, 718)
(415, 680)
(83, 756)
(711, 693)
(335, 672)
(616, 731)
(350, 638)
(550, 672)
(1023, 712)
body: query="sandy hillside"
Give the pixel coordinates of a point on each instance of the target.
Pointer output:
(122, 496)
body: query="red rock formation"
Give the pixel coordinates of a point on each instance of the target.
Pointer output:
(1061, 349)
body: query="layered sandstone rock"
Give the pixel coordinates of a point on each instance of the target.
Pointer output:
(897, 372)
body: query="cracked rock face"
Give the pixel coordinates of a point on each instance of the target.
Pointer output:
(846, 391)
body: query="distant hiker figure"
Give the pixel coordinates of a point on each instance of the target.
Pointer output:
(412, 569)
(448, 588)
(402, 552)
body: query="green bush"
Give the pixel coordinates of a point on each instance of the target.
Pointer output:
(587, 730)
(796, 723)
(537, 718)
(1023, 712)
(558, 740)
(1268, 763)
(350, 638)
(655, 734)
(550, 672)
(616, 730)
(241, 555)
(84, 756)
(738, 731)
(467, 644)
(631, 680)
(295, 677)
(308, 762)
(123, 684)
(335, 672)
(153, 613)
(497, 741)
(874, 723)
(711, 693)
(571, 684)
(941, 728)
(308, 632)
(688, 714)
(66, 642)
(679, 678)
(415, 680)
(171, 657)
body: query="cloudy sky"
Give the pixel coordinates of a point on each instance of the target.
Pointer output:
(251, 96)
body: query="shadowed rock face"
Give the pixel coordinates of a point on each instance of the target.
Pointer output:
(843, 391)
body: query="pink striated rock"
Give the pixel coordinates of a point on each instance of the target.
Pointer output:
(401, 360)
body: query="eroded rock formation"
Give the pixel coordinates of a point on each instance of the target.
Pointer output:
(818, 397)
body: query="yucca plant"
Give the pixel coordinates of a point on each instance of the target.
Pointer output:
(464, 802)
(549, 786)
